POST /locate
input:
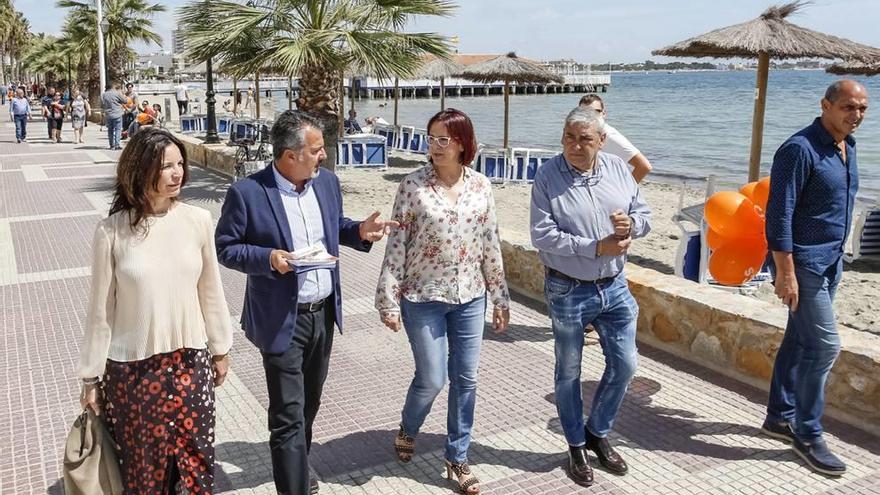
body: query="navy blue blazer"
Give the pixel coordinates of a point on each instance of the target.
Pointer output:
(252, 224)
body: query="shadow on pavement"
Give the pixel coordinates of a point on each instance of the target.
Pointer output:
(664, 429)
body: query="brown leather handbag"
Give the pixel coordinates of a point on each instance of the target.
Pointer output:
(90, 463)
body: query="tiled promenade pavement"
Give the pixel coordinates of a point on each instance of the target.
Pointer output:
(683, 429)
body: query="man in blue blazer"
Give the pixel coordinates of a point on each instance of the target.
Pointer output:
(289, 312)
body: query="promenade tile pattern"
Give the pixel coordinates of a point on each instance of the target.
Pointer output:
(683, 429)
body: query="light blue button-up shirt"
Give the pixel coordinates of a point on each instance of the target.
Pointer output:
(571, 212)
(306, 229)
(19, 106)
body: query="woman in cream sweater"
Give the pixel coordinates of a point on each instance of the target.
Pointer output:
(158, 329)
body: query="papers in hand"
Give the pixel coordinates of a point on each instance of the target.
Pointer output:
(313, 256)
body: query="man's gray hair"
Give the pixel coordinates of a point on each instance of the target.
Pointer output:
(586, 116)
(289, 132)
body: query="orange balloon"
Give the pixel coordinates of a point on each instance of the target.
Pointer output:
(761, 193)
(733, 215)
(736, 263)
(748, 190)
(715, 240)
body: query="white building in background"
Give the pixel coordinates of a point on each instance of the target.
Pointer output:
(161, 65)
(178, 43)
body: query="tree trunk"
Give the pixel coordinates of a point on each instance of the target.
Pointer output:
(319, 97)
(94, 79)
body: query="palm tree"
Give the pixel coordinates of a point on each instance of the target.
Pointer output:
(42, 57)
(14, 36)
(129, 21)
(316, 40)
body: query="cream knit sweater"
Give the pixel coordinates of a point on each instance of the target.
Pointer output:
(156, 293)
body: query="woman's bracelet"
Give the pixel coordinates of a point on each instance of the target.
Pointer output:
(91, 381)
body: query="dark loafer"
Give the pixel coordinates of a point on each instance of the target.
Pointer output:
(579, 468)
(608, 457)
(780, 431)
(818, 457)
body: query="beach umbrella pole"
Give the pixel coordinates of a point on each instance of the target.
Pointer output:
(758, 118)
(290, 92)
(235, 96)
(396, 96)
(257, 92)
(340, 107)
(506, 108)
(442, 93)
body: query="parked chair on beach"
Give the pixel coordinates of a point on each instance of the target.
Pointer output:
(865, 236)
(525, 163)
(492, 163)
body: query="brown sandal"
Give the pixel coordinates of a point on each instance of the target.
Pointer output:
(467, 482)
(404, 445)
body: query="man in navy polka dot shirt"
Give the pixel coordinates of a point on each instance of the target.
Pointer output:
(813, 187)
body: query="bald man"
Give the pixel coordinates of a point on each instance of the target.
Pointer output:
(813, 187)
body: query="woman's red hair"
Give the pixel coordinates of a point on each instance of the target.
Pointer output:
(460, 128)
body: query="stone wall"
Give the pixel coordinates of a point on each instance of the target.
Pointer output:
(735, 335)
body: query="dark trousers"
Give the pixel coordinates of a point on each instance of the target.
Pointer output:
(295, 380)
(182, 106)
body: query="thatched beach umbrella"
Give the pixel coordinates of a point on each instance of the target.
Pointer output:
(509, 68)
(439, 69)
(770, 35)
(855, 67)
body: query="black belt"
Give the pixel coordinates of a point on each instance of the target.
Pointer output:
(562, 276)
(311, 307)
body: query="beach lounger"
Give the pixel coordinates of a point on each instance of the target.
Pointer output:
(492, 163)
(362, 151)
(865, 236)
(525, 163)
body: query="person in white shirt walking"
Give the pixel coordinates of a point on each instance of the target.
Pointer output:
(616, 143)
(181, 94)
(158, 329)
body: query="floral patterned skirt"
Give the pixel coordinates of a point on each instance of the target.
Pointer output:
(160, 413)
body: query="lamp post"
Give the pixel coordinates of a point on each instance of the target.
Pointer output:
(211, 136)
(102, 74)
(103, 26)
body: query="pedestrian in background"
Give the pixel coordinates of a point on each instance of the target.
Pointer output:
(20, 111)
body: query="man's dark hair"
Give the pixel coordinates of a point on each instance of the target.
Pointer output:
(588, 100)
(833, 91)
(288, 132)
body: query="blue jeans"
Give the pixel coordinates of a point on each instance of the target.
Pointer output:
(613, 312)
(114, 131)
(445, 338)
(808, 351)
(20, 126)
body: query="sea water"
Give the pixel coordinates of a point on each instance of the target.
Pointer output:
(689, 124)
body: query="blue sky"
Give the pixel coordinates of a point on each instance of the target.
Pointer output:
(585, 30)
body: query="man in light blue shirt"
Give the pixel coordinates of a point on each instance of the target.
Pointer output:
(586, 209)
(304, 216)
(20, 110)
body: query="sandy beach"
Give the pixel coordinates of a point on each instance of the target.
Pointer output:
(856, 303)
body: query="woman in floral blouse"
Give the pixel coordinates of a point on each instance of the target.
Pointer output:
(439, 267)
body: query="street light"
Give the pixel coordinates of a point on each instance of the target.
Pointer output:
(102, 74)
(105, 26)
(211, 136)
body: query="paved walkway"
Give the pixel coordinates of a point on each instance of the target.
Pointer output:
(683, 429)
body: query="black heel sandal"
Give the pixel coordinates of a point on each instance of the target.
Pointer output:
(404, 446)
(467, 482)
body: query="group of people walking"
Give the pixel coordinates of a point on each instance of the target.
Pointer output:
(54, 110)
(158, 331)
